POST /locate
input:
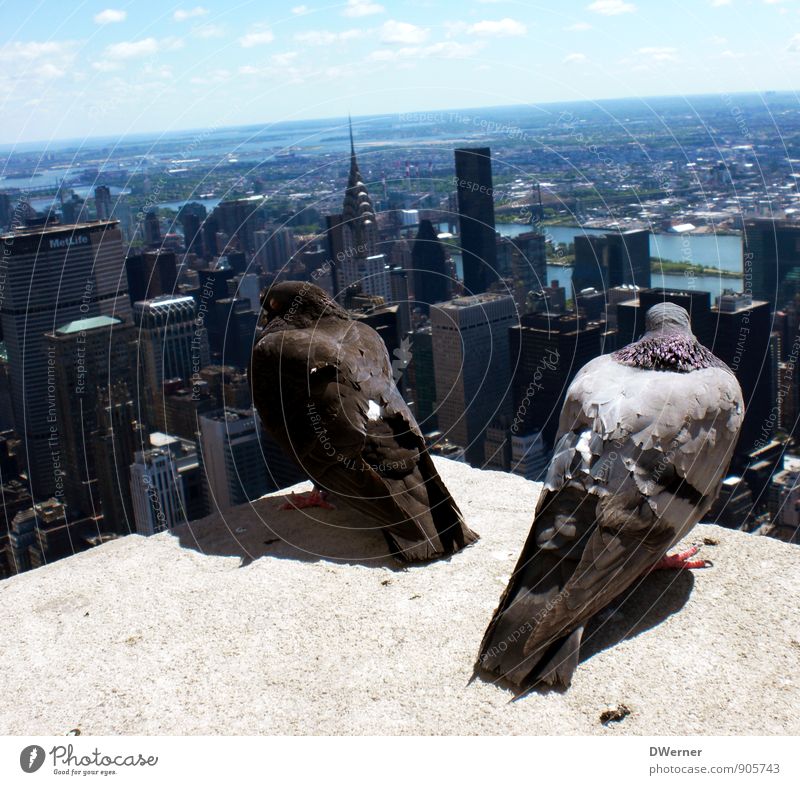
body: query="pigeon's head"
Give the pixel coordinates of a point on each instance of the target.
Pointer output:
(298, 303)
(668, 317)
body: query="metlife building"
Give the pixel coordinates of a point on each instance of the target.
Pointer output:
(51, 275)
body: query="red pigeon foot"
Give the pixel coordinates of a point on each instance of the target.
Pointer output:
(315, 498)
(682, 561)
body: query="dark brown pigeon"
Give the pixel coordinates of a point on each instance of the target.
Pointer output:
(645, 438)
(323, 386)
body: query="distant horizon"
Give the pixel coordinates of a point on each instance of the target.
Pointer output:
(42, 144)
(91, 71)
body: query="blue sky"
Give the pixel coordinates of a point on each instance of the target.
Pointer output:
(77, 69)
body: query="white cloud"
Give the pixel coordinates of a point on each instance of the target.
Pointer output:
(284, 58)
(356, 8)
(611, 7)
(578, 27)
(181, 15)
(452, 49)
(794, 43)
(500, 27)
(326, 38)
(256, 38)
(394, 32)
(444, 49)
(127, 50)
(658, 54)
(208, 31)
(299, 10)
(39, 59)
(106, 65)
(109, 16)
(719, 3)
(575, 57)
(124, 50)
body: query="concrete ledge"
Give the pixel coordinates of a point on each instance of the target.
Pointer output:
(321, 633)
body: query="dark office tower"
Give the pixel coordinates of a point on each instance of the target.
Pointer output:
(231, 331)
(118, 438)
(742, 340)
(334, 242)
(162, 272)
(473, 371)
(74, 210)
(172, 345)
(102, 202)
(476, 218)
(522, 262)
(88, 355)
(210, 229)
(398, 281)
(612, 260)
(422, 380)
(192, 234)
(6, 211)
(152, 229)
(547, 353)
(772, 258)
(274, 247)
(428, 258)
(241, 218)
(214, 282)
(6, 407)
(151, 274)
(54, 275)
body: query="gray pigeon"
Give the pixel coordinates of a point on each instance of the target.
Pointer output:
(322, 383)
(645, 438)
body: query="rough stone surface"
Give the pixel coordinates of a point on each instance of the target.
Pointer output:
(321, 633)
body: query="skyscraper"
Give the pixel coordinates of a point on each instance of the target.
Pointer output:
(772, 258)
(102, 202)
(472, 368)
(166, 484)
(428, 258)
(55, 275)
(522, 261)
(89, 355)
(612, 259)
(476, 218)
(172, 345)
(547, 353)
(235, 469)
(742, 340)
(353, 241)
(152, 229)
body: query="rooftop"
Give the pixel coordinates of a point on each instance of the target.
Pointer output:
(84, 325)
(265, 621)
(57, 228)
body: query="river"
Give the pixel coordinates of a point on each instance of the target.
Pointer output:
(713, 250)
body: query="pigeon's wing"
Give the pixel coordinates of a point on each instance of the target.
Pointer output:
(345, 423)
(639, 458)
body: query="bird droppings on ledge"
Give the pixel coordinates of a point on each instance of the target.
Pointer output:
(305, 640)
(615, 714)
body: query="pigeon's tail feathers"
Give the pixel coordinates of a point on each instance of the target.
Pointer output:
(561, 660)
(452, 531)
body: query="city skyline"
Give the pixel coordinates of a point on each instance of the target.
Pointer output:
(124, 69)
